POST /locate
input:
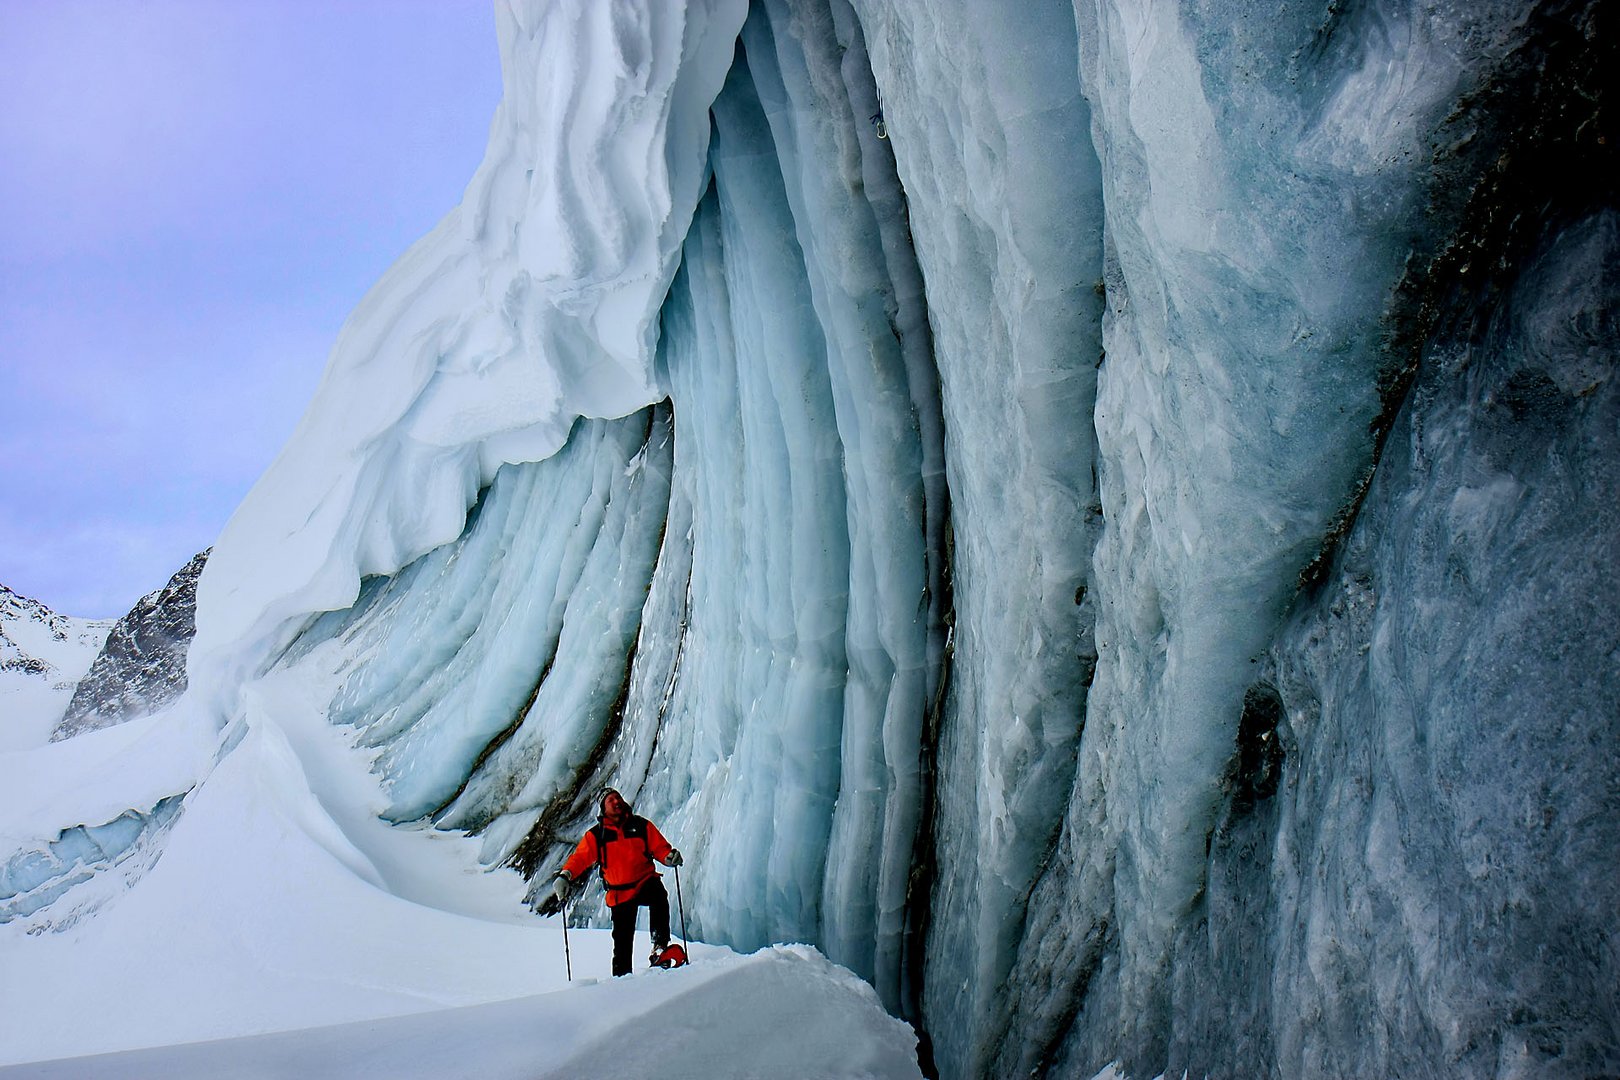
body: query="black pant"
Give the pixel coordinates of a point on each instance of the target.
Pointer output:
(652, 895)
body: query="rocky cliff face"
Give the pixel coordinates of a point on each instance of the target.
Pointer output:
(142, 665)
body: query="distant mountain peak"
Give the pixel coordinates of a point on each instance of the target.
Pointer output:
(42, 656)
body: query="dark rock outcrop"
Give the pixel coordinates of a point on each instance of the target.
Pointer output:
(142, 667)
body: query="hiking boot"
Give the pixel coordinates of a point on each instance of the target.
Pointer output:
(673, 956)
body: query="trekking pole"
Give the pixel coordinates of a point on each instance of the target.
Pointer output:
(568, 957)
(680, 903)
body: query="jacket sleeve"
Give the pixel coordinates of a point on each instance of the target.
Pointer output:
(657, 846)
(580, 862)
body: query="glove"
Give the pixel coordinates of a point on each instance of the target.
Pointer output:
(673, 858)
(561, 890)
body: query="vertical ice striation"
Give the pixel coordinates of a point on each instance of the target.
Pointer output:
(487, 671)
(810, 70)
(1286, 193)
(1254, 244)
(1415, 878)
(992, 140)
(782, 732)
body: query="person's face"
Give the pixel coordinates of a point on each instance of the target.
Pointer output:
(614, 805)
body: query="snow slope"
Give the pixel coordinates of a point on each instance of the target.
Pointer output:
(43, 655)
(282, 902)
(782, 1012)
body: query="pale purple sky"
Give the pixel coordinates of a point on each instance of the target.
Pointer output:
(193, 195)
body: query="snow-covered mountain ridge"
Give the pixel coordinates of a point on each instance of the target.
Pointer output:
(43, 655)
(1097, 516)
(61, 676)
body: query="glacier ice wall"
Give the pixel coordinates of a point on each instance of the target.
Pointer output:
(1455, 909)
(1431, 855)
(1096, 515)
(532, 303)
(991, 138)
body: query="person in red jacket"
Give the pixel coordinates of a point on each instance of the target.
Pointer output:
(623, 846)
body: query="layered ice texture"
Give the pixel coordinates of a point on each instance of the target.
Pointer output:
(1100, 517)
(534, 301)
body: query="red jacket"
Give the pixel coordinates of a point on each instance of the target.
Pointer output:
(624, 852)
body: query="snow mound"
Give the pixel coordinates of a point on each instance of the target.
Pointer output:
(726, 1016)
